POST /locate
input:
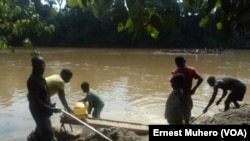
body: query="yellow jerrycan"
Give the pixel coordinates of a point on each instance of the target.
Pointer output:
(80, 110)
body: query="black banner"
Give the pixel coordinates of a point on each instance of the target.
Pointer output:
(218, 132)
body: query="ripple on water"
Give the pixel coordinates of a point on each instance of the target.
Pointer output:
(150, 109)
(16, 119)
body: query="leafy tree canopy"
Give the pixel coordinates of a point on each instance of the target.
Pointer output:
(227, 15)
(18, 22)
(136, 16)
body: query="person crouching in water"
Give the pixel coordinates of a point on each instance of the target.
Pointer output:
(174, 104)
(94, 100)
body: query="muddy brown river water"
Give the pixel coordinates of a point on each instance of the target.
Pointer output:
(134, 83)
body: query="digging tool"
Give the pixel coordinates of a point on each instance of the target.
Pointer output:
(197, 117)
(200, 115)
(85, 124)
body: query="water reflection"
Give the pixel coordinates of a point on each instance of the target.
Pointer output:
(134, 83)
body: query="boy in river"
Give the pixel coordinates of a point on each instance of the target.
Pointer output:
(94, 100)
(174, 104)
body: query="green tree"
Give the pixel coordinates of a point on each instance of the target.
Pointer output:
(137, 17)
(228, 16)
(18, 24)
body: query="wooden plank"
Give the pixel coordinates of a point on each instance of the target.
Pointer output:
(138, 128)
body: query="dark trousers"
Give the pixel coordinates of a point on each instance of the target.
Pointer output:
(44, 130)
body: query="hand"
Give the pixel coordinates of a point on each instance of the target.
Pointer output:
(86, 104)
(218, 102)
(56, 110)
(192, 91)
(53, 105)
(205, 110)
(70, 111)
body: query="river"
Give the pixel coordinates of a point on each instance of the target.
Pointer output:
(134, 83)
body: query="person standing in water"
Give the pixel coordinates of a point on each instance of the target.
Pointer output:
(40, 105)
(190, 73)
(175, 105)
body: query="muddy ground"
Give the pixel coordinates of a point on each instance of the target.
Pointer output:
(234, 116)
(240, 116)
(112, 133)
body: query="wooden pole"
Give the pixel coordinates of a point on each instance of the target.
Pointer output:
(85, 124)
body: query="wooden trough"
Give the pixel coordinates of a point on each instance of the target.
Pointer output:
(140, 129)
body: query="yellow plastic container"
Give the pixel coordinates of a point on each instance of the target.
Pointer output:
(80, 110)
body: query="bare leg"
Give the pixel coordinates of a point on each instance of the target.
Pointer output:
(187, 110)
(227, 104)
(230, 99)
(237, 105)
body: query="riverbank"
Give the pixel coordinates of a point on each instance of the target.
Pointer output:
(233, 116)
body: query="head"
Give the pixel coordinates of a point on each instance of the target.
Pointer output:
(177, 80)
(211, 80)
(85, 86)
(180, 61)
(38, 65)
(66, 75)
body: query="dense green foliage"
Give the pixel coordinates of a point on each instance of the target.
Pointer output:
(130, 23)
(20, 22)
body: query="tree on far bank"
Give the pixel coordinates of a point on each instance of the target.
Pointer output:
(19, 23)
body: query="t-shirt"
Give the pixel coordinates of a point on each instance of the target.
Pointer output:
(94, 99)
(37, 88)
(54, 83)
(189, 73)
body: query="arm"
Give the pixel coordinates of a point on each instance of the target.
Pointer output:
(61, 94)
(198, 83)
(212, 99)
(83, 100)
(38, 94)
(223, 95)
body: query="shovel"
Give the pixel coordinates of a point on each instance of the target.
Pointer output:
(85, 124)
(200, 115)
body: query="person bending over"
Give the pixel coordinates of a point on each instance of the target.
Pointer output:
(94, 100)
(56, 84)
(237, 88)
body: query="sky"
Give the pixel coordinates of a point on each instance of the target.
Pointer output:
(56, 6)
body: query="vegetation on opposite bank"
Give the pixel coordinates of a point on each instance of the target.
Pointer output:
(126, 23)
